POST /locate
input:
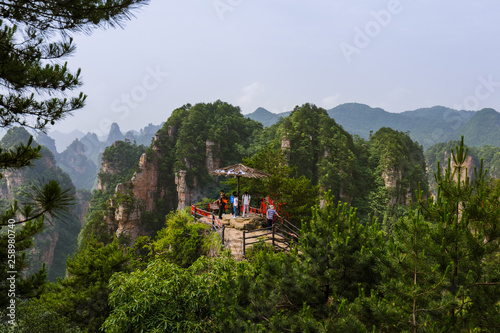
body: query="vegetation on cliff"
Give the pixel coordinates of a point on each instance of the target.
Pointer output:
(55, 241)
(120, 160)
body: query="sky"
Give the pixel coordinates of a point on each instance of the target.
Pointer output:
(398, 55)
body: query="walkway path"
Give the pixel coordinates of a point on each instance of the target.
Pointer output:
(233, 233)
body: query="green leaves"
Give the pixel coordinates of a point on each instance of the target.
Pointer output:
(182, 242)
(82, 297)
(169, 298)
(50, 198)
(19, 156)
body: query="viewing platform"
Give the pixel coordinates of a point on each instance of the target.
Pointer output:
(253, 221)
(239, 233)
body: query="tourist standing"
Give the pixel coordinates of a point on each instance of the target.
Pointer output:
(270, 216)
(246, 203)
(222, 203)
(232, 201)
(235, 204)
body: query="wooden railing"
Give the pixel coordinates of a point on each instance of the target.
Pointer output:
(282, 234)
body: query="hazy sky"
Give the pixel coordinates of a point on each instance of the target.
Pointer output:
(397, 55)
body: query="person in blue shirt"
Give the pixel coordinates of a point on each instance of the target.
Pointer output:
(270, 216)
(232, 201)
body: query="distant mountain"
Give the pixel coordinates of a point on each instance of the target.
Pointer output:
(145, 135)
(427, 126)
(482, 129)
(48, 142)
(266, 117)
(81, 158)
(362, 119)
(115, 134)
(63, 140)
(81, 169)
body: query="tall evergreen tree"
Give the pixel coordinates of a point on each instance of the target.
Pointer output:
(34, 35)
(445, 273)
(466, 215)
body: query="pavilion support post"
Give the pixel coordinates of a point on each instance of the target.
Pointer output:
(244, 234)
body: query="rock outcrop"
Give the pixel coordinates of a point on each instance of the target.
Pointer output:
(467, 168)
(144, 183)
(392, 180)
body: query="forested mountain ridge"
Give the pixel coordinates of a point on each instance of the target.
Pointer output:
(265, 117)
(428, 126)
(482, 129)
(175, 171)
(58, 238)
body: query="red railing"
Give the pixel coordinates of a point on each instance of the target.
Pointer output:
(277, 206)
(217, 226)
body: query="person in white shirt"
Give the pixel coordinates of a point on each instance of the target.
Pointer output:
(246, 203)
(235, 205)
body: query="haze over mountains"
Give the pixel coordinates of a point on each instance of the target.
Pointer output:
(81, 157)
(428, 126)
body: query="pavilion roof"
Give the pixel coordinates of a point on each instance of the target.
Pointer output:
(240, 170)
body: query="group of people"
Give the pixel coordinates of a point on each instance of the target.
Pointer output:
(244, 202)
(236, 203)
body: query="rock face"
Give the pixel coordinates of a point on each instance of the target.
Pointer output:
(10, 181)
(286, 146)
(142, 189)
(145, 182)
(185, 194)
(77, 165)
(127, 215)
(182, 188)
(55, 242)
(392, 180)
(466, 170)
(48, 256)
(212, 161)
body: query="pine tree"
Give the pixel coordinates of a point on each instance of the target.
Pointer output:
(35, 34)
(343, 255)
(445, 254)
(465, 215)
(82, 297)
(411, 295)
